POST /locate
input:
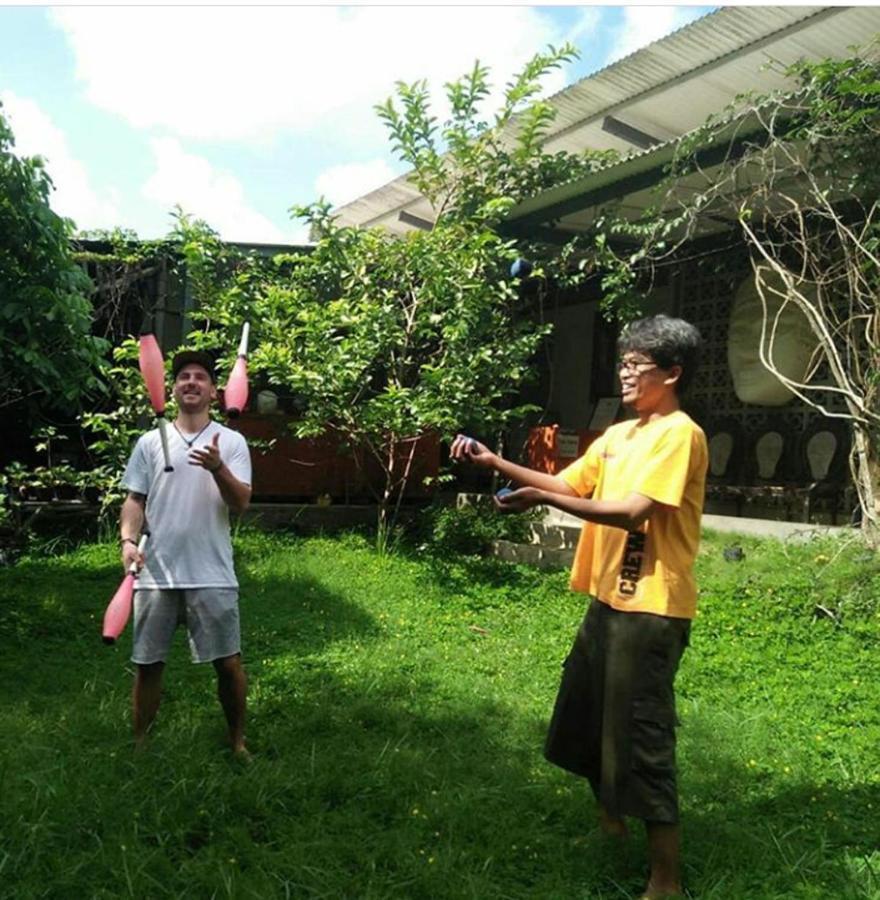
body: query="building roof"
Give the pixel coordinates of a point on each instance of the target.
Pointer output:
(650, 98)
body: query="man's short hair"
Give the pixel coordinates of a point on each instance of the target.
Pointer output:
(668, 341)
(193, 358)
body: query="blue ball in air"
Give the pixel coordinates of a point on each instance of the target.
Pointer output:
(503, 493)
(521, 268)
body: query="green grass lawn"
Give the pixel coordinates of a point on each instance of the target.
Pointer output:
(397, 714)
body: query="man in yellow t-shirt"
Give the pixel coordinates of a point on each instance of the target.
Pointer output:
(639, 488)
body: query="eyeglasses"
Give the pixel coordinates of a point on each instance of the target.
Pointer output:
(639, 366)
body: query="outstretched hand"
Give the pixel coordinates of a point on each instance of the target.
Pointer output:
(519, 500)
(466, 449)
(208, 457)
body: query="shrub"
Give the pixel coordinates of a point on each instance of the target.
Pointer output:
(471, 529)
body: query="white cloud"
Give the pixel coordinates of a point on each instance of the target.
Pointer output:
(644, 24)
(232, 72)
(341, 184)
(206, 192)
(587, 23)
(74, 197)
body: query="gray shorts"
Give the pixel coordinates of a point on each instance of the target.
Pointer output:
(210, 615)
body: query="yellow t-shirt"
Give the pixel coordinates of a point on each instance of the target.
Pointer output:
(649, 570)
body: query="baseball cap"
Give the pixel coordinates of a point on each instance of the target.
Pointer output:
(193, 357)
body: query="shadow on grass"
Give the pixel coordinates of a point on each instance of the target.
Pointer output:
(58, 621)
(304, 618)
(358, 789)
(469, 575)
(374, 777)
(55, 601)
(394, 782)
(752, 830)
(388, 782)
(395, 787)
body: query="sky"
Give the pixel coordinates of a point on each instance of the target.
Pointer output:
(237, 113)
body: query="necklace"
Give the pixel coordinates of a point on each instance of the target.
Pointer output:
(189, 443)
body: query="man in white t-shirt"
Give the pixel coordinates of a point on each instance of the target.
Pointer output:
(187, 573)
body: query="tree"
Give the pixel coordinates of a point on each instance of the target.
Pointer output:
(473, 170)
(383, 339)
(48, 356)
(798, 177)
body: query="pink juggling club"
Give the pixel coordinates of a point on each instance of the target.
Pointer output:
(119, 608)
(235, 395)
(153, 371)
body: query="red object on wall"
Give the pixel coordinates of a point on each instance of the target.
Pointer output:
(551, 448)
(313, 467)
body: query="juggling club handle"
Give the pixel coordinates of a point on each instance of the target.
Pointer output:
(142, 543)
(163, 435)
(243, 344)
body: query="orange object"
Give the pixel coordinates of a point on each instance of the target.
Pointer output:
(118, 609)
(153, 372)
(551, 448)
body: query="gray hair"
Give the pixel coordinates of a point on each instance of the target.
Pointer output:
(668, 341)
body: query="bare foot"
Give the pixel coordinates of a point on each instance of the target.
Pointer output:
(241, 754)
(612, 826)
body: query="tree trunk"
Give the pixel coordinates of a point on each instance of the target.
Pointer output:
(385, 520)
(866, 474)
(404, 479)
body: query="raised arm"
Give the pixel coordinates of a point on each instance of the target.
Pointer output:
(628, 513)
(236, 494)
(466, 449)
(541, 489)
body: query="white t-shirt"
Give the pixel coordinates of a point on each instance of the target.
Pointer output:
(189, 543)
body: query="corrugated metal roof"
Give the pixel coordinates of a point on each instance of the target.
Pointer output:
(703, 44)
(668, 87)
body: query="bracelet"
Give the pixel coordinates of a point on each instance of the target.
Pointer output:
(129, 541)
